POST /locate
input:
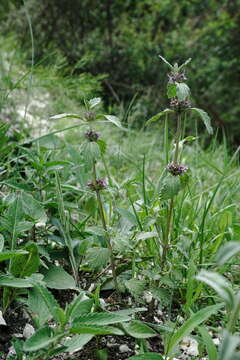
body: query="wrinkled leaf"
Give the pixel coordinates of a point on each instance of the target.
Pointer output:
(205, 118)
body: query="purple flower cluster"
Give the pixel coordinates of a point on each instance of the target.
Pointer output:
(176, 77)
(176, 169)
(179, 105)
(100, 184)
(91, 135)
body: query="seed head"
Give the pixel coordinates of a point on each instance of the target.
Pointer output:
(176, 77)
(100, 184)
(91, 135)
(176, 169)
(179, 105)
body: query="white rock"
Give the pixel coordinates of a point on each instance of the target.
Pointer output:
(124, 348)
(157, 320)
(102, 303)
(190, 346)
(147, 296)
(28, 331)
(216, 341)
(91, 287)
(2, 321)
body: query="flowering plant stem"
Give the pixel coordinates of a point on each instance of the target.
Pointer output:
(104, 224)
(171, 205)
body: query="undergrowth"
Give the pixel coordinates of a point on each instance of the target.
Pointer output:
(130, 224)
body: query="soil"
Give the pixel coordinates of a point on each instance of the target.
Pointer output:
(17, 318)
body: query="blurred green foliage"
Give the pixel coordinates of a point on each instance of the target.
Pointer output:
(123, 38)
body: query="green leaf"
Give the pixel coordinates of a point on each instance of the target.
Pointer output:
(139, 330)
(49, 300)
(147, 356)
(171, 90)
(95, 330)
(12, 220)
(97, 258)
(166, 62)
(127, 215)
(91, 151)
(130, 311)
(135, 286)
(77, 342)
(66, 115)
(219, 284)
(158, 116)
(32, 207)
(228, 347)
(189, 325)
(183, 91)
(80, 308)
(57, 278)
(5, 255)
(38, 307)
(42, 338)
(94, 102)
(210, 346)
(102, 145)
(205, 118)
(1, 242)
(104, 318)
(10, 281)
(146, 235)
(56, 165)
(28, 264)
(114, 120)
(185, 63)
(170, 187)
(226, 252)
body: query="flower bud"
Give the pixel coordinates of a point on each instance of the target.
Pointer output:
(180, 105)
(91, 135)
(176, 169)
(174, 77)
(99, 185)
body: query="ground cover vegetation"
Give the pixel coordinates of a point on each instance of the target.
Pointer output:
(116, 242)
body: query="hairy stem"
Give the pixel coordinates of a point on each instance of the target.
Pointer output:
(104, 224)
(171, 206)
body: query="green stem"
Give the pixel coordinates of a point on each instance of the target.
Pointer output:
(171, 206)
(177, 139)
(104, 224)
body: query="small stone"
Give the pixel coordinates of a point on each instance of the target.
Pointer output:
(18, 335)
(102, 303)
(2, 321)
(216, 341)
(28, 331)
(158, 321)
(124, 348)
(147, 296)
(91, 287)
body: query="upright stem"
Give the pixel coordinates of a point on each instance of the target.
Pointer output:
(104, 224)
(171, 206)
(177, 139)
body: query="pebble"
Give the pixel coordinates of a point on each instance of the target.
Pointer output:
(28, 331)
(147, 296)
(2, 321)
(124, 348)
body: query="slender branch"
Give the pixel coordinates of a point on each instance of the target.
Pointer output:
(104, 224)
